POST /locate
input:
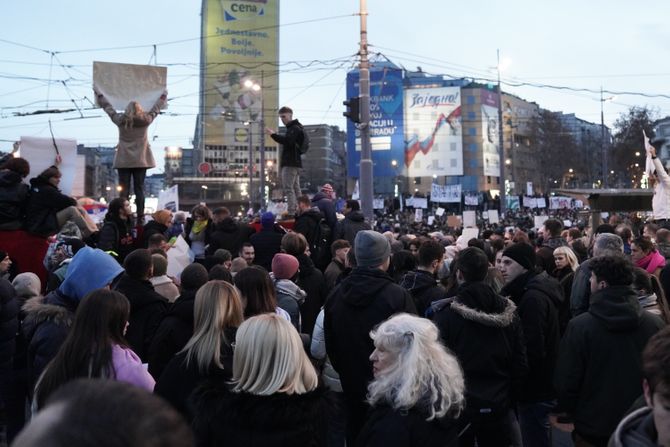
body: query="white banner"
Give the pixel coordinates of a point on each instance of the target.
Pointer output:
(417, 202)
(418, 215)
(529, 188)
(539, 221)
(529, 202)
(179, 257)
(469, 219)
(169, 199)
(493, 217)
(378, 204)
(541, 202)
(471, 199)
(447, 194)
(122, 83)
(439, 212)
(355, 194)
(41, 154)
(558, 203)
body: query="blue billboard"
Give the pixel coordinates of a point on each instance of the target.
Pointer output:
(386, 123)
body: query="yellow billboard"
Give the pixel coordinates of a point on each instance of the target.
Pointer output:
(240, 54)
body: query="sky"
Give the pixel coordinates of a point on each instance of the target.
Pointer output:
(579, 46)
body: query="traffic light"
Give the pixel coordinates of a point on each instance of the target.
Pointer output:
(353, 111)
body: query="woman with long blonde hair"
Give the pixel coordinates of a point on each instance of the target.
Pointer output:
(273, 398)
(209, 352)
(418, 387)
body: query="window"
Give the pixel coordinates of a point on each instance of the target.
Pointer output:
(472, 116)
(472, 131)
(470, 99)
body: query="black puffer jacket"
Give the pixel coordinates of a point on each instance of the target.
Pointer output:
(146, 311)
(223, 417)
(307, 224)
(13, 200)
(484, 332)
(386, 427)
(348, 227)
(327, 208)
(9, 324)
(174, 331)
(537, 297)
(116, 238)
(44, 201)
(313, 283)
(151, 228)
(229, 235)
(290, 142)
(423, 287)
(267, 243)
(598, 374)
(361, 301)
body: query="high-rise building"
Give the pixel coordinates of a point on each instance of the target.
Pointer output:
(325, 162)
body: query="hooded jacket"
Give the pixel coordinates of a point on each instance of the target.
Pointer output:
(352, 223)
(115, 237)
(636, 430)
(537, 297)
(424, 289)
(229, 235)
(223, 417)
(44, 201)
(13, 200)
(312, 281)
(146, 311)
(289, 298)
(365, 298)
(48, 319)
(152, 227)
(307, 224)
(598, 373)
(267, 243)
(484, 331)
(290, 154)
(327, 208)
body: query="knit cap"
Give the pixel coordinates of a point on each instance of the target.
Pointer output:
(162, 216)
(267, 220)
(371, 248)
(27, 285)
(284, 266)
(327, 188)
(522, 253)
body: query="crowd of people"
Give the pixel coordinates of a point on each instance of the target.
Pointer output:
(326, 332)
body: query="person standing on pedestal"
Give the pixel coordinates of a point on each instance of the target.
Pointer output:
(291, 161)
(133, 152)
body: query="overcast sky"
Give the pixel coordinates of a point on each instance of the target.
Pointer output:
(580, 45)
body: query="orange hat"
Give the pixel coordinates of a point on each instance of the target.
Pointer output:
(162, 216)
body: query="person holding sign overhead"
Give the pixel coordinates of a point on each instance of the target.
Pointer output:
(133, 152)
(660, 181)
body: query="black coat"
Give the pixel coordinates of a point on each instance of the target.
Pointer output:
(483, 330)
(44, 201)
(225, 418)
(229, 235)
(178, 379)
(358, 303)
(146, 311)
(313, 283)
(45, 327)
(424, 289)
(327, 208)
(267, 243)
(348, 227)
(307, 224)
(386, 427)
(151, 228)
(9, 324)
(290, 142)
(537, 297)
(598, 373)
(173, 332)
(13, 200)
(115, 236)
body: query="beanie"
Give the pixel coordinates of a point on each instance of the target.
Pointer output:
(267, 220)
(162, 216)
(371, 248)
(284, 266)
(522, 253)
(27, 285)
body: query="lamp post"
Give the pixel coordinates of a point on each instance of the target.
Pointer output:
(394, 164)
(602, 137)
(204, 192)
(257, 88)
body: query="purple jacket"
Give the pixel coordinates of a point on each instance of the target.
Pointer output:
(129, 368)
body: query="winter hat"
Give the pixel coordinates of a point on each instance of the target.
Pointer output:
(267, 220)
(328, 189)
(194, 276)
(162, 216)
(371, 248)
(27, 285)
(284, 266)
(522, 253)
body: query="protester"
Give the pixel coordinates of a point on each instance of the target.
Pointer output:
(609, 337)
(146, 305)
(660, 181)
(115, 236)
(162, 219)
(418, 387)
(175, 326)
(227, 233)
(353, 222)
(221, 273)
(258, 292)
(359, 302)
(247, 253)
(650, 294)
(402, 263)
(338, 264)
(198, 230)
(645, 255)
(133, 153)
(9, 325)
(308, 223)
(266, 242)
(551, 240)
(324, 200)
(566, 265)
(289, 295)
(208, 354)
(13, 193)
(163, 284)
(273, 399)
(484, 332)
(422, 282)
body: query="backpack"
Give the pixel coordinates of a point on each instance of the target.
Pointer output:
(303, 146)
(320, 246)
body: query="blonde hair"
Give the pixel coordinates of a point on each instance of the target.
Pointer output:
(424, 373)
(217, 307)
(569, 255)
(269, 358)
(133, 109)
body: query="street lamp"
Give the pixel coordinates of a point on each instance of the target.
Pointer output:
(394, 164)
(501, 149)
(204, 192)
(602, 135)
(257, 87)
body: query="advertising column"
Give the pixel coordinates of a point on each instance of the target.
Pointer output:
(490, 133)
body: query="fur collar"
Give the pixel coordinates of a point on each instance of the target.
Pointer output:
(503, 319)
(37, 311)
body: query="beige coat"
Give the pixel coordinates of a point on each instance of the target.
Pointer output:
(133, 150)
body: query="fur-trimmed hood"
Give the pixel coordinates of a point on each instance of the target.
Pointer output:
(503, 319)
(479, 303)
(51, 308)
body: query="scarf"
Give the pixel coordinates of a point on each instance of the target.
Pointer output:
(198, 226)
(651, 262)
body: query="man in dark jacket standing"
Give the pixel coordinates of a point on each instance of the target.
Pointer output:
(551, 240)
(324, 201)
(291, 161)
(115, 237)
(146, 305)
(227, 233)
(422, 283)
(484, 332)
(362, 300)
(353, 222)
(537, 297)
(307, 222)
(598, 374)
(267, 242)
